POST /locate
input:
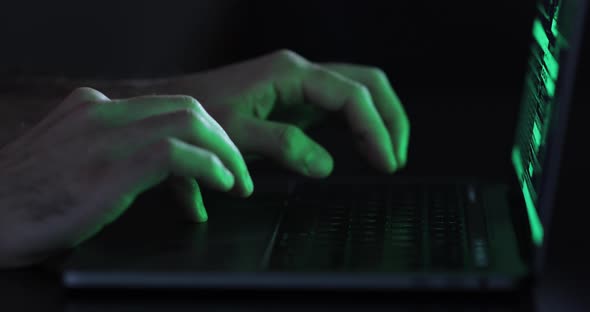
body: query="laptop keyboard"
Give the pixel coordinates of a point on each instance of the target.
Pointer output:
(397, 227)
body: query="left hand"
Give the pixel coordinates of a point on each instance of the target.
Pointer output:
(244, 97)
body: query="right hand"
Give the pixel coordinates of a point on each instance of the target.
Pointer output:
(85, 163)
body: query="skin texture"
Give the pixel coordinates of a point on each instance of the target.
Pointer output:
(84, 164)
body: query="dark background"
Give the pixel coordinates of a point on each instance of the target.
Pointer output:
(458, 66)
(416, 40)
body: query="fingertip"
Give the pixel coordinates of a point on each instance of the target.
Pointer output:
(403, 160)
(201, 218)
(396, 162)
(189, 194)
(402, 155)
(403, 146)
(318, 163)
(227, 179)
(393, 166)
(244, 188)
(201, 213)
(248, 186)
(329, 166)
(390, 163)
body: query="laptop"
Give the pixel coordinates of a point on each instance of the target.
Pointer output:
(365, 232)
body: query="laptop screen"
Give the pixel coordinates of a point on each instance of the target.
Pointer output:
(543, 108)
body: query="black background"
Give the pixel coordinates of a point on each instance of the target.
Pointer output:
(416, 40)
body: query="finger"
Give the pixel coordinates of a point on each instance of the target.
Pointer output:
(152, 164)
(387, 102)
(173, 156)
(188, 193)
(333, 91)
(190, 127)
(286, 144)
(124, 111)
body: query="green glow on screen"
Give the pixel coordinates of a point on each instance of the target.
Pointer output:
(543, 41)
(536, 136)
(534, 220)
(517, 162)
(540, 35)
(550, 86)
(536, 225)
(531, 169)
(552, 65)
(554, 28)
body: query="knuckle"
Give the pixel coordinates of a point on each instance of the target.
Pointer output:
(87, 103)
(83, 92)
(289, 137)
(360, 92)
(377, 74)
(86, 94)
(286, 53)
(190, 102)
(288, 60)
(189, 120)
(163, 150)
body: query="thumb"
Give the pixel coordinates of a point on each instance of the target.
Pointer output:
(187, 192)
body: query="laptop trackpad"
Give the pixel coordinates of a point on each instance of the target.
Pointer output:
(153, 236)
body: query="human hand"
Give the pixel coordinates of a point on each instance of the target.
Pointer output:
(245, 97)
(84, 164)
